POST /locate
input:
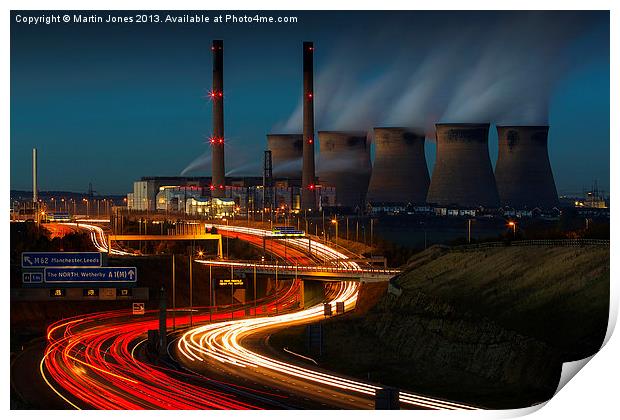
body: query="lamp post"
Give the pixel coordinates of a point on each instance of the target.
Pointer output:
(191, 292)
(513, 225)
(469, 230)
(335, 223)
(226, 220)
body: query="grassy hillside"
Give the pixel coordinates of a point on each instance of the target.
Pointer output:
(491, 327)
(558, 295)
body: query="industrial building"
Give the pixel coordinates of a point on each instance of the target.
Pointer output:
(523, 171)
(286, 154)
(193, 195)
(463, 175)
(399, 172)
(344, 163)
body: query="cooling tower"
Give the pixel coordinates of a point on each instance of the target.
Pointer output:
(308, 197)
(463, 175)
(286, 154)
(399, 173)
(217, 140)
(345, 164)
(523, 172)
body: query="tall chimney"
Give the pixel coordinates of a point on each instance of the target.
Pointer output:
(217, 140)
(35, 192)
(308, 193)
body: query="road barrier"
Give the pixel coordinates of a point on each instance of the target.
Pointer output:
(536, 242)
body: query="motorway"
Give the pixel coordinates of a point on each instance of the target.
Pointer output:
(99, 360)
(222, 346)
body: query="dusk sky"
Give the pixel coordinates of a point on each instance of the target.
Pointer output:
(109, 103)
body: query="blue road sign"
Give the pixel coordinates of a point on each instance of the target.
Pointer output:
(61, 259)
(91, 275)
(32, 277)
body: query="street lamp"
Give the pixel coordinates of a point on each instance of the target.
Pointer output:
(335, 223)
(513, 225)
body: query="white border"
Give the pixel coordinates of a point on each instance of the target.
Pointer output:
(592, 395)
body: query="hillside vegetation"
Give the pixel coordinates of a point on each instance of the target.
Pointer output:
(489, 326)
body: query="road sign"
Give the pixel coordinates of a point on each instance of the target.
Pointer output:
(339, 308)
(138, 308)
(61, 259)
(107, 293)
(91, 275)
(90, 293)
(32, 277)
(230, 282)
(58, 293)
(327, 309)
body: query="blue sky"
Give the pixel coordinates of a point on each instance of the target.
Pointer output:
(109, 103)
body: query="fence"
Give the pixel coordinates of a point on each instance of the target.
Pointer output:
(540, 242)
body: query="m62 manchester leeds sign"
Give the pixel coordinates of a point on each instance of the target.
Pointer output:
(61, 259)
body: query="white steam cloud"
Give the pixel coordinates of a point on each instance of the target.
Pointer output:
(502, 71)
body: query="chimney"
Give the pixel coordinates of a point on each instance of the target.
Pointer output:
(523, 171)
(217, 140)
(463, 175)
(308, 192)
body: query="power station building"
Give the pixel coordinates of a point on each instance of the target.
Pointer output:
(399, 172)
(463, 175)
(523, 171)
(193, 195)
(344, 163)
(286, 154)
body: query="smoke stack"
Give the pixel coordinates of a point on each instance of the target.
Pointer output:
(399, 173)
(35, 191)
(308, 193)
(523, 172)
(463, 175)
(286, 153)
(217, 140)
(345, 164)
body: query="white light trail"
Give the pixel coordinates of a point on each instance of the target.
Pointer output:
(223, 341)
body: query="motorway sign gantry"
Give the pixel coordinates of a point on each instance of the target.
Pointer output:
(91, 275)
(61, 259)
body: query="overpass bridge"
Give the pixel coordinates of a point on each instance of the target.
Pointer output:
(345, 271)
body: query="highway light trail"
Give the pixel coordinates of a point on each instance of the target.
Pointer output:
(97, 237)
(224, 341)
(90, 362)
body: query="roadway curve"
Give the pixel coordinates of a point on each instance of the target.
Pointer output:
(97, 361)
(224, 347)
